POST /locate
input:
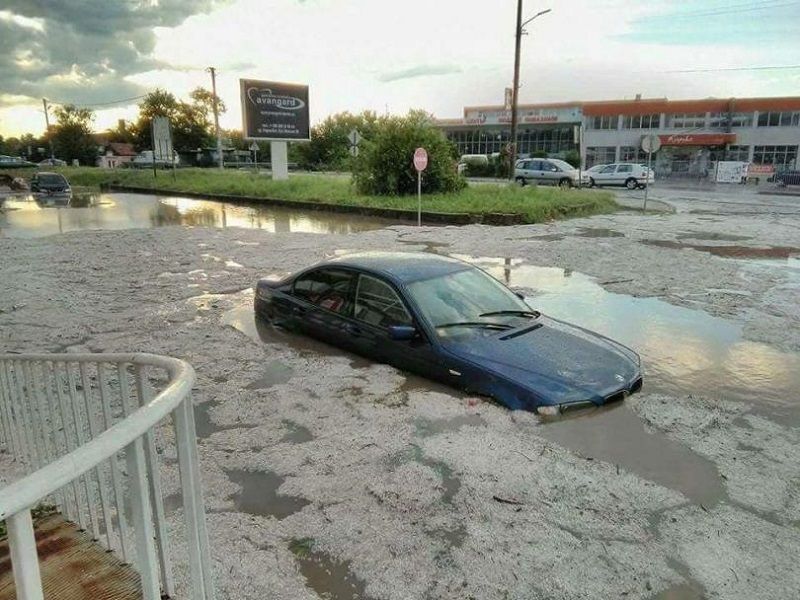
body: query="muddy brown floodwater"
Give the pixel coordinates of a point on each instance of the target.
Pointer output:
(326, 475)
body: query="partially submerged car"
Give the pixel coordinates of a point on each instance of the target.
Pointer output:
(46, 183)
(450, 321)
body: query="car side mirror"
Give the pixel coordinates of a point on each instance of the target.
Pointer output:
(554, 169)
(402, 333)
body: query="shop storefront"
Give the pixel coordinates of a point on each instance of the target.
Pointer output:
(695, 134)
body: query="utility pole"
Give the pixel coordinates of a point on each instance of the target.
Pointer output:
(515, 92)
(47, 125)
(213, 72)
(512, 155)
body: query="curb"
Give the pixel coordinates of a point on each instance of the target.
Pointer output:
(388, 213)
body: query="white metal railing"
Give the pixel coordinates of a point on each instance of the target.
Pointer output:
(84, 427)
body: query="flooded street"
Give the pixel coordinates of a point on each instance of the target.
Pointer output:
(24, 217)
(327, 475)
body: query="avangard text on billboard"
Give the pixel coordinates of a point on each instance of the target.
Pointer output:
(274, 111)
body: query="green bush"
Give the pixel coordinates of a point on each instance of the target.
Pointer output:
(385, 164)
(573, 158)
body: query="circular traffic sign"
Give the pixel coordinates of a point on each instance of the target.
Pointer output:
(420, 159)
(651, 143)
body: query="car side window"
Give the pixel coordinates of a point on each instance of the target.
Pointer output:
(625, 168)
(608, 169)
(377, 303)
(327, 288)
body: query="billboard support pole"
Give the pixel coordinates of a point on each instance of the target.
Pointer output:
(280, 160)
(153, 140)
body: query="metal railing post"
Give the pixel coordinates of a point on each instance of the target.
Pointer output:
(156, 494)
(142, 521)
(24, 558)
(194, 511)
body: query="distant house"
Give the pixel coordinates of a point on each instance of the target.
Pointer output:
(115, 154)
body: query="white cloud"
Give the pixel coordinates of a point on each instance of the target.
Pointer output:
(354, 53)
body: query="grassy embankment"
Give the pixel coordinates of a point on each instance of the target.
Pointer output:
(533, 204)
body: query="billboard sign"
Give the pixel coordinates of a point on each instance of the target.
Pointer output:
(162, 141)
(274, 111)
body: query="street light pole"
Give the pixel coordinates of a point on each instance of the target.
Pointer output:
(213, 72)
(515, 91)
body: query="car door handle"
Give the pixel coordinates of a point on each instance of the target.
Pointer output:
(297, 311)
(353, 330)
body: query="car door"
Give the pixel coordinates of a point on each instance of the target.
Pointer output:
(377, 305)
(622, 174)
(524, 169)
(550, 173)
(324, 301)
(536, 170)
(606, 175)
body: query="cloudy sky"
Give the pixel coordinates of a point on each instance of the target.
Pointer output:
(388, 56)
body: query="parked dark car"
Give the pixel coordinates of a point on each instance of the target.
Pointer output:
(787, 178)
(15, 162)
(46, 183)
(450, 321)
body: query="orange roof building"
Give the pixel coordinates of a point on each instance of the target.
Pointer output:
(693, 134)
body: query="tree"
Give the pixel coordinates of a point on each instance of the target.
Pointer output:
(329, 148)
(203, 99)
(190, 123)
(385, 164)
(72, 135)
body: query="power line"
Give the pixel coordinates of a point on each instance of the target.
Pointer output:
(732, 9)
(762, 68)
(96, 104)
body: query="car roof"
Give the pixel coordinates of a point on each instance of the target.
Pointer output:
(403, 267)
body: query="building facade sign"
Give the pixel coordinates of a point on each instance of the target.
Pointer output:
(274, 111)
(572, 114)
(697, 139)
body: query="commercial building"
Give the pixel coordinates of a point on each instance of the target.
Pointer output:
(694, 134)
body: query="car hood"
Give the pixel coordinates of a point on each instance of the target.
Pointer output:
(556, 361)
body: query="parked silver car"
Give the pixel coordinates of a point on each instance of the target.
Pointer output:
(546, 171)
(631, 175)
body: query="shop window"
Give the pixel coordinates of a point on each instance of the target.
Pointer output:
(600, 155)
(783, 157)
(740, 153)
(641, 122)
(686, 121)
(724, 120)
(779, 119)
(602, 122)
(632, 154)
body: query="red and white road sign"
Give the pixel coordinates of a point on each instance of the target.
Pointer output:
(420, 159)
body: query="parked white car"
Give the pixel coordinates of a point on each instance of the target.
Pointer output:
(546, 171)
(144, 160)
(631, 175)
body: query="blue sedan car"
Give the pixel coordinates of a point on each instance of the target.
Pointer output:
(450, 321)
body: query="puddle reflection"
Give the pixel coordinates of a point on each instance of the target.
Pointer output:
(617, 436)
(24, 217)
(684, 351)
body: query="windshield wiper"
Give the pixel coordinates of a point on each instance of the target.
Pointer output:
(533, 314)
(476, 324)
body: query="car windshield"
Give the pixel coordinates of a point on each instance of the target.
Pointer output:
(54, 178)
(471, 298)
